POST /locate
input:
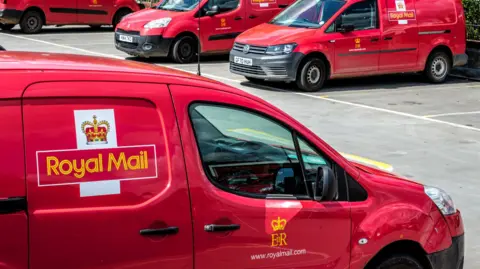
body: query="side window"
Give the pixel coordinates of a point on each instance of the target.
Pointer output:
(223, 5)
(246, 153)
(362, 15)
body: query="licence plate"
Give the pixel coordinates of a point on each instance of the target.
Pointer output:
(243, 61)
(126, 38)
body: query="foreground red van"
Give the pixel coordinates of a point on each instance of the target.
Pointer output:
(118, 164)
(313, 41)
(32, 15)
(172, 27)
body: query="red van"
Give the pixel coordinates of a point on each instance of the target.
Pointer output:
(118, 164)
(312, 41)
(32, 15)
(172, 27)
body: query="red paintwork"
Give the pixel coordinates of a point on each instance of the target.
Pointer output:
(186, 22)
(68, 231)
(110, 7)
(430, 16)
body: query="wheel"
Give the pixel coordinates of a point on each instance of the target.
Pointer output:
(118, 17)
(32, 22)
(438, 67)
(6, 27)
(312, 75)
(255, 80)
(185, 50)
(399, 262)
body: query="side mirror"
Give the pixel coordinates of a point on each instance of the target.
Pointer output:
(345, 28)
(2, 48)
(212, 11)
(326, 185)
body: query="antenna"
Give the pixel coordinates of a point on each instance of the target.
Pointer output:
(199, 47)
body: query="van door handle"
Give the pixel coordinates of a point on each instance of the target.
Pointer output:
(282, 6)
(388, 38)
(375, 39)
(163, 231)
(221, 228)
(237, 18)
(13, 205)
(252, 16)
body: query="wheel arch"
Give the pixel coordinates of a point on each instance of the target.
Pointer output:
(442, 48)
(408, 247)
(34, 8)
(180, 35)
(315, 54)
(122, 8)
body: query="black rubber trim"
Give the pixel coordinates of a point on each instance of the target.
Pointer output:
(460, 59)
(13, 205)
(438, 32)
(450, 258)
(78, 11)
(376, 52)
(224, 36)
(11, 14)
(160, 232)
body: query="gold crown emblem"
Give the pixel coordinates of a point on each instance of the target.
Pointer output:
(96, 131)
(94, 2)
(400, 6)
(279, 224)
(357, 40)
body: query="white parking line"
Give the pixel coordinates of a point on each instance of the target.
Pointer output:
(239, 81)
(452, 114)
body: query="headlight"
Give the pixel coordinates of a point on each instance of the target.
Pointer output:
(281, 49)
(443, 201)
(160, 23)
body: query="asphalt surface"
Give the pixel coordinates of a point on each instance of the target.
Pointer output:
(429, 133)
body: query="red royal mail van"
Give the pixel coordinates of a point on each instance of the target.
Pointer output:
(172, 27)
(33, 14)
(314, 40)
(118, 164)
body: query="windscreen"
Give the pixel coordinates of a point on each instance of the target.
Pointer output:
(178, 5)
(308, 13)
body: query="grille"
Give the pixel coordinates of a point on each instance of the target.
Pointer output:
(253, 70)
(120, 31)
(253, 49)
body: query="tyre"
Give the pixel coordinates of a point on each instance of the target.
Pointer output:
(31, 22)
(312, 75)
(438, 67)
(255, 80)
(399, 262)
(6, 27)
(119, 16)
(185, 50)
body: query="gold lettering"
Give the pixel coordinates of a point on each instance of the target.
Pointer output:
(100, 162)
(69, 167)
(145, 160)
(52, 167)
(142, 163)
(135, 158)
(79, 171)
(121, 161)
(279, 240)
(88, 167)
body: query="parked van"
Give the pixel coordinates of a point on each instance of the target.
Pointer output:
(33, 15)
(312, 41)
(172, 27)
(118, 164)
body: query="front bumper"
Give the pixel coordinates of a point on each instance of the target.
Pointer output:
(10, 16)
(143, 46)
(450, 258)
(268, 67)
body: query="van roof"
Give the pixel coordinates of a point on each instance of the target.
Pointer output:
(44, 61)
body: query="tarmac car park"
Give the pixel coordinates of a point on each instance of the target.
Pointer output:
(426, 132)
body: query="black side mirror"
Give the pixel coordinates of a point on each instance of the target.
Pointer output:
(2, 48)
(345, 28)
(212, 11)
(326, 185)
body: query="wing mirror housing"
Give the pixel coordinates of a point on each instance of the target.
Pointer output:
(345, 28)
(2, 48)
(213, 10)
(325, 187)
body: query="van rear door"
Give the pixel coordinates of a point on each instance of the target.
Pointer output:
(106, 181)
(13, 214)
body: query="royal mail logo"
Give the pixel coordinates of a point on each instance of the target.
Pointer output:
(97, 159)
(279, 237)
(401, 15)
(96, 131)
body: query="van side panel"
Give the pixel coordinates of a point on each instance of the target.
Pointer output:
(13, 227)
(438, 25)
